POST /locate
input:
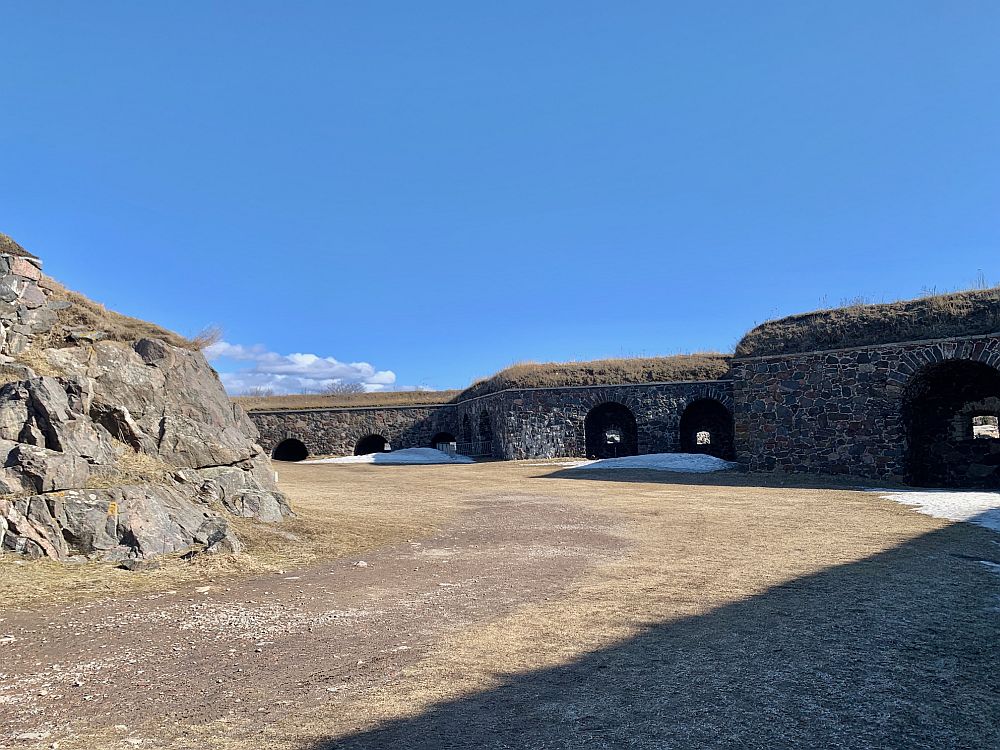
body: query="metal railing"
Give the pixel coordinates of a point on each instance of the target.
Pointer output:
(475, 448)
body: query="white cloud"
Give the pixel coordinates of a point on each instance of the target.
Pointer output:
(292, 373)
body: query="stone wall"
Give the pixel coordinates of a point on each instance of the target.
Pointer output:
(840, 411)
(529, 423)
(549, 422)
(337, 431)
(834, 412)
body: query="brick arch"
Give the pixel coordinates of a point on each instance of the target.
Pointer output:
(290, 448)
(372, 442)
(613, 395)
(935, 412)
(594, 397)
(368, 427)
(616, 417)
(706, 392)
(912, 362)
(712, 416)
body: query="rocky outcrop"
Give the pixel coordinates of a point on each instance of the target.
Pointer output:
(113, 524)
(113, 449)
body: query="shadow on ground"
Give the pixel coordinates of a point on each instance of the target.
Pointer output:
(900, 650)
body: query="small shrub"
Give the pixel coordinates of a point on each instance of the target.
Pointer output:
(258, 391)
(337, 389)
(205, 338)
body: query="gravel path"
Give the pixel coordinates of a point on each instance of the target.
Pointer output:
(260, 648)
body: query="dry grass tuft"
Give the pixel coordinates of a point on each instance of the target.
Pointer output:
(859, 323)
(35, 358)
(206, 337)
(131, 467)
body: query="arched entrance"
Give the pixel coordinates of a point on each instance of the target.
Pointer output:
(949, 409)
(371, 444)
(485, 431)
(610, 431)
(290, 450)
(442, 438)
(707, 427)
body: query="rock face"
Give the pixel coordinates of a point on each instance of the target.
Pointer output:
(112, 449)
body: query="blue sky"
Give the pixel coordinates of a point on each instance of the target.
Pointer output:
(417, 194)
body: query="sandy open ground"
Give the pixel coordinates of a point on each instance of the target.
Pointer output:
(515, 605)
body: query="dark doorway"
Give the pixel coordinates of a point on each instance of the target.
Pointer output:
(370, 444)
(485, 427)
(707, 427)
(442, 437)
(290, 450)
(948, 414)
(610, 431)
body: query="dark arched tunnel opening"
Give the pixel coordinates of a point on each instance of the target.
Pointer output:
(290, 450)
(949, 409)
(442, 437)
(610, 431)
(707, 427)
(370, 444)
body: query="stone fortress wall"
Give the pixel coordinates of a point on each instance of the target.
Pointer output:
(893, 411)
(529, 423)
(904, 411)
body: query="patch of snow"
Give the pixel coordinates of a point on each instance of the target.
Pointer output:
(402, 456)
(579, 462)
(980, 508)
(699, 463)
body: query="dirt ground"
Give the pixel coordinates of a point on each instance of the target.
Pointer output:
(519, 605)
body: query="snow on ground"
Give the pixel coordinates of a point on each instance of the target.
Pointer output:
(402, 456)
(571, 464)
(687, 462)
(981, 508)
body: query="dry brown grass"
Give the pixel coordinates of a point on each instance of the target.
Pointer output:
(85, 314)
(35, 358)
(331, 524)
(701, 366)
(131, 467)
(9, 247)
(322, 529)
(967, 313)
(710, 562)
(345, 400)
